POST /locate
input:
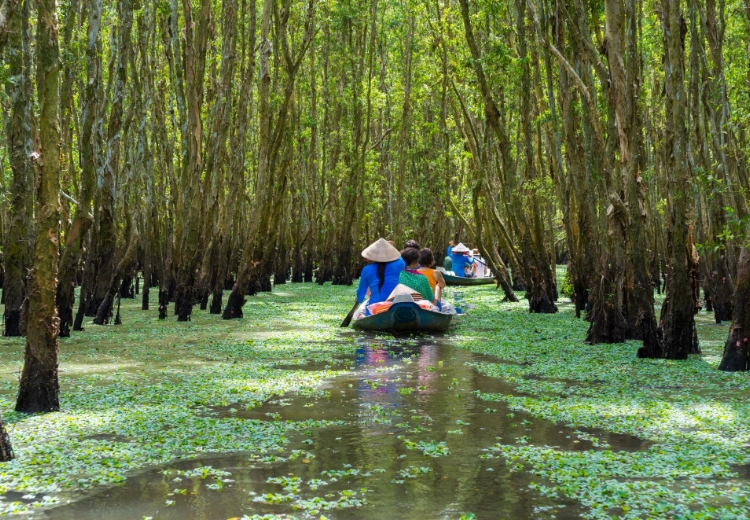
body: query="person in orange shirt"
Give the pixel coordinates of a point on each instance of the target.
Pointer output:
(435, 277)
(426, 263)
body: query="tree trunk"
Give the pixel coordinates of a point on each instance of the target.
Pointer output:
(106, 231)
(104, 312)
(16, 251)
(87, 284)
(678, 322)
(196, 40)
(6, 450)
(7, 13)
(238, 144)
(537, 273)
(623, 62)
(65, 297)
(90, 151)
(39, 386)
(737, 347)
(256, 264)
(147, 262)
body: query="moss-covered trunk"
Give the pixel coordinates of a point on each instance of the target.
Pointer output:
(6, 450)
(737, 347)
(16, 249)
(678, 322)
(39, 386)
(68, 267)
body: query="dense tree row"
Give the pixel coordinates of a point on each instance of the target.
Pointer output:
(199, 146)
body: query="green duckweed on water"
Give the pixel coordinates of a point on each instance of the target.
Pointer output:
(696, 417)
(135, 395)
(148, 394)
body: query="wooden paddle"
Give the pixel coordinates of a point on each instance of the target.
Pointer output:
(349, 316)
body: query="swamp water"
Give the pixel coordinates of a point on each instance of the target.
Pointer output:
(408, 443)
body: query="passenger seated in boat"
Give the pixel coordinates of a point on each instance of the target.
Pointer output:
(381, 276)
(427, 268)
(412, 278)
(412, 244)
(448, 261)
(482, 270)
(435, 277)
(463, 265)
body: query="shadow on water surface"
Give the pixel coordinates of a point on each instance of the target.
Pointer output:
(410, 444)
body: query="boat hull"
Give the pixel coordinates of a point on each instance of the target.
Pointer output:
(405, 317)
(460, 281)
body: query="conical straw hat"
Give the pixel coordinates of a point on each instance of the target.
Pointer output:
(460, 248)
(381, 251)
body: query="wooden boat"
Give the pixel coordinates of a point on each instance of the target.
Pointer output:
(451, 280)
(405, 317)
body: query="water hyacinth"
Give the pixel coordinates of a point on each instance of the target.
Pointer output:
(637, 439)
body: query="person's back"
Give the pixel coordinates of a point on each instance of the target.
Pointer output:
(418, 282)
(460, 260)
(379, 278)
(459, 264)
(430, 275)
(412, 278)
(481, 267)
(370, 280)
(448, 263)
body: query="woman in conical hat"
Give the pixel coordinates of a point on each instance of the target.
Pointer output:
(462, 262)
(381, 276)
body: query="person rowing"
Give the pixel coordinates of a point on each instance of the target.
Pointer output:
(381, 276)
(463, 264)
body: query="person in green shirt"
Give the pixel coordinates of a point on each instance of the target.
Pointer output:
(412, 278)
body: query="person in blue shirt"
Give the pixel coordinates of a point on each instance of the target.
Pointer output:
(380, 277)
(448, 262)
(461, 259)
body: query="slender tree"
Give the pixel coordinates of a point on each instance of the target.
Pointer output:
(7, 11)
(680, 306)
(17, 250)
(90, 152)
(737, 347)
(191, 202)
(39, 386)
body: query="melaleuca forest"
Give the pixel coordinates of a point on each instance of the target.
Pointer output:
(375, 259)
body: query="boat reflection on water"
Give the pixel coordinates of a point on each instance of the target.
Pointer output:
(390, 356)
(409, 403)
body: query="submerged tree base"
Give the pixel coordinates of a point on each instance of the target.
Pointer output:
(12, 323)
(737, 347)
(40, 390)
(6, 450)
(236, 301)
(736, 351)
(607, 325)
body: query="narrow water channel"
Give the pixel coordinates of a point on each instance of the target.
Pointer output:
(409, 445)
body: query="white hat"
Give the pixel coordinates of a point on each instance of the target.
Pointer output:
(381, 251)
(460, 248)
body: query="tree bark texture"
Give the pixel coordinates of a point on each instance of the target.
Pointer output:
(17, 250)
(39, 386)
(737, 347)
